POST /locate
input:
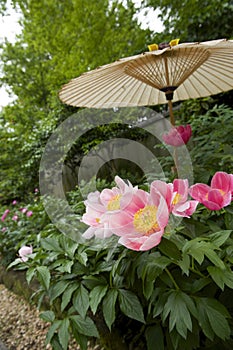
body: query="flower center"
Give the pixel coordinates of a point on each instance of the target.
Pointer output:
(114, 203)
(176, 199)
(145, 220)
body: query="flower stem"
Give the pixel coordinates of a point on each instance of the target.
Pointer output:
(172, 279)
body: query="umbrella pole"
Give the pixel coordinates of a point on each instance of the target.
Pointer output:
(172, 119)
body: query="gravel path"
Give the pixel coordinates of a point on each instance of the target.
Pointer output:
(20, 325)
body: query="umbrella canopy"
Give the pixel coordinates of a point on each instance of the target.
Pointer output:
(173, 73)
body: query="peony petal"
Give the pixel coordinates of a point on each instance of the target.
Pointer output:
(181, 187)
(199, 192)
(221, 181)
(186, 209)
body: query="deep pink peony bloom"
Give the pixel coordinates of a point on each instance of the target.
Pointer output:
(15, 217)
(218, 194)
(178, 136)
(176, 196)
(29, 213)
(97, 204)
(6, 212)
(24, 251)
(141, 221)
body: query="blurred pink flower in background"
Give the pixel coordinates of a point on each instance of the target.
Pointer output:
(218, 194)
(15, 217)
(23, 210)
(29, 213)
(36, 190)
(4, 229)
(178, 136)
(24, 251)
(14, 202)
(6, 212)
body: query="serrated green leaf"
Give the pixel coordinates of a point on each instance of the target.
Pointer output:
(63, 333)
(85, 326)
(109, 303)
(43, 275)
(66, 296)
(218, 322)
(57, 289)
(154, 335)
(96, 295)
(130, 305)
(185, 264)
(81, 301)
(47, 316)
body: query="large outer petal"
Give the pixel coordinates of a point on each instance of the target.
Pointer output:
(221, 181)
(166, 190)
(180, 186)
(141, 243)
(185, 209)
(199, 192)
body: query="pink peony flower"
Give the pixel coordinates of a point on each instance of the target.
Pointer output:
(6, 212)
(4, 229)
(29, 213)
(23, 210)
(24, 251)
(14, 202)
(218, 194)
(141, 221)
(36, 190)
(176, 196)
(178, 136)
(97, 204)
(15, 217)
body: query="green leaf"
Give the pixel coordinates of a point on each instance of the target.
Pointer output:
(178, 307)
(47, 316)
(169, 249)
(212, 318)
(30, 274)
(130, 305)
(63, 333)
(57, 289)
(109, 302)
(185, 264)
(51, 244)
(221, 277)
(96, 295)
(81, 301)
(43, 275)
(66, 296)
(214, 258)
(220, 237)
(52, 329)
(154, 335)
(85, 326)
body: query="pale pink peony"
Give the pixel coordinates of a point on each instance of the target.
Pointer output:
(97, 204)
(24, 251)
(178, 136)
(23, 210)
(29, 213)
(14, 202)
(218, 194)
(176, 196)
(141, 221)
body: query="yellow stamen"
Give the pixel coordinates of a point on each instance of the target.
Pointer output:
(114, 203)
(174, 42)
(97, 220)
(145, 220)
(176, 199)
